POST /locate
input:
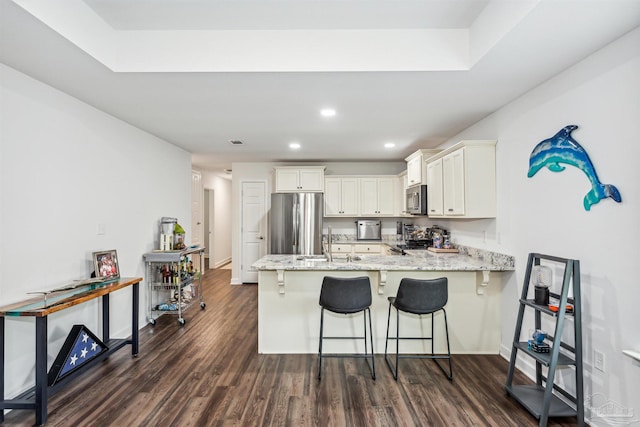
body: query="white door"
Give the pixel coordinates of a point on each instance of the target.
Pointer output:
(196, 208)
(254, 228)
(209, 238)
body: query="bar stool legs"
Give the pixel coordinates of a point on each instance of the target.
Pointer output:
(419, 297)
(346, 295)
(370, 357)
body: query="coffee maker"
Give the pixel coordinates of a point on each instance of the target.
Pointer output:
(167, 226)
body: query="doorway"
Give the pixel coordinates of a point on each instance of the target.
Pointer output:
(209, 227)
(254, 228)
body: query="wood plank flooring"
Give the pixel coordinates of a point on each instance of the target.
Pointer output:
(208, 373)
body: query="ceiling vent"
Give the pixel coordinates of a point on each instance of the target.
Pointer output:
(236, 142)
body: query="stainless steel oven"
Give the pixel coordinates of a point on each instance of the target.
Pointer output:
(416, 200)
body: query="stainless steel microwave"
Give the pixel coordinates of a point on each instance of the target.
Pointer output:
(416, 200)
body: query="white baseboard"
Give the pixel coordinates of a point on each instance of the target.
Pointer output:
(236, 281)
(220, 263)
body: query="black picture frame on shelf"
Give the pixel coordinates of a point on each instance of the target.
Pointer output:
(106, 264)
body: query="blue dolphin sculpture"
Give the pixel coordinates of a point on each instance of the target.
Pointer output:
(562, 148)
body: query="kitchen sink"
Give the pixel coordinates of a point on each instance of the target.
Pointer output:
(313, 258)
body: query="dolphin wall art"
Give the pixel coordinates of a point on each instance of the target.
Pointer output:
(562, 148)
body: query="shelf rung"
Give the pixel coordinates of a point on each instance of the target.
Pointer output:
(532, 398)
(544, 358)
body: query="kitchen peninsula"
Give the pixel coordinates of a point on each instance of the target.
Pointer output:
(289, 289)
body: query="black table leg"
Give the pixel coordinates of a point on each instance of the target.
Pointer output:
(105, 319)
(134, 319)
(41, 370)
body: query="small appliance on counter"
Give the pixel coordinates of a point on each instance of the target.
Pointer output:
(171, 235)
(421, 236)
(167, 226)
(369, 229)
(399, 230)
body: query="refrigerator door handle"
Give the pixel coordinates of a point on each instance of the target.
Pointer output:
(296, 225)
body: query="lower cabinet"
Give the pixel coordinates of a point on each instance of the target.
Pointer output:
(360, 248)
(341, 250)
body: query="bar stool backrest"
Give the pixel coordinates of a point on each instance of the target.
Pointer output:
(345, 294)
(422, 296)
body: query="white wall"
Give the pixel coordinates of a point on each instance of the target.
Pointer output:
(544, 213)
(65, 168)
(220, 253)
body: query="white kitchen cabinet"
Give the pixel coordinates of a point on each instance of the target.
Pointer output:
(453, 177)
(416, 172)
(341, 250)
(341, 196)
(298, 179)
(368, 248)
(377, 196)
(462, 181)
(435, 204)
(401, 195)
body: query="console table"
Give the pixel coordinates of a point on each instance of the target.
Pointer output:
(40, 308)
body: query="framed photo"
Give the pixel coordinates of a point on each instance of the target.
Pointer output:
(106, 264)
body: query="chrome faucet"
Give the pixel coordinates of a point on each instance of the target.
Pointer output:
(329, 244)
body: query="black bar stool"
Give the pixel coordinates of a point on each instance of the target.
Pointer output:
(419, 297)
(346, 296)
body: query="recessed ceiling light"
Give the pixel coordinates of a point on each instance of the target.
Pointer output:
(389, 145)
(328, 112)
(294, 145)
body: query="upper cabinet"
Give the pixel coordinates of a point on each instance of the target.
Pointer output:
(291, 179)
(416, 172)
(401, 191)
(461, 181)
(377, 196)
(361, 196)
(341, 196)
(435, 204)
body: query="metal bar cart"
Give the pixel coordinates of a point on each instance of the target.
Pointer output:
(174, 282)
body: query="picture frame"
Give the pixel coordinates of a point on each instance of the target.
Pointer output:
(106, 264)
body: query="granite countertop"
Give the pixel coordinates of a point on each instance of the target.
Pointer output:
(469, 259)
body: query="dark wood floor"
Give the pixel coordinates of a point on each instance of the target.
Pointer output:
(208, 373)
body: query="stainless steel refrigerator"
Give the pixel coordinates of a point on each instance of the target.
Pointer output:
(295, 223)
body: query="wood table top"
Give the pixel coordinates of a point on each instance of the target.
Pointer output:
(50, 303)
